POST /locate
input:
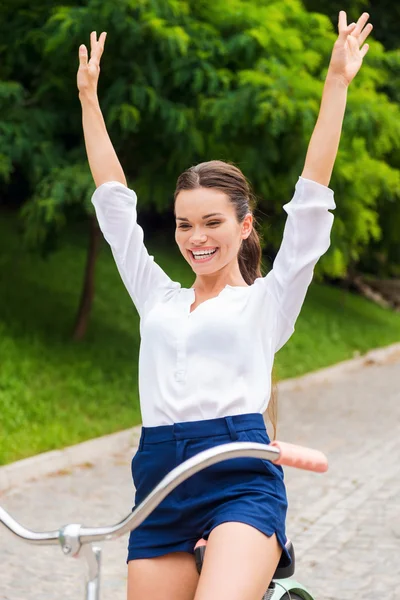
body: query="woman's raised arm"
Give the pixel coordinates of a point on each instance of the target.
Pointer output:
(114, 203)
(347, 56)
(307, 231)
(103, 161)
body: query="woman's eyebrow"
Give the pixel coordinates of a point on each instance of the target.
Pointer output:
(213, 215)
(205, 216)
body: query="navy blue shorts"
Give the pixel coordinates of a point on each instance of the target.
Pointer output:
(245, 490)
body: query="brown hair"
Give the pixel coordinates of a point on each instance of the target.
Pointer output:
(229, 179)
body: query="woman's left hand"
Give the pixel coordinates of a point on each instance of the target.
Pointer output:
(349, 51)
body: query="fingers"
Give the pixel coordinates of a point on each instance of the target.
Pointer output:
(93, 48)
(364, 50)
(365, 33)
(97, 47)
(83, 55)
(344, 29)
(342, 25)
(354, 47)
(102, 41)
(359, 30)
(360, 24)
(93, 42)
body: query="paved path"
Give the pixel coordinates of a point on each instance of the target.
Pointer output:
(345, 524)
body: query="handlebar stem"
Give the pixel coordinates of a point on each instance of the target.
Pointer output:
(92, 554)
(69, 539)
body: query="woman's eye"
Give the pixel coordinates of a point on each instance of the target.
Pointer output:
(209, 224)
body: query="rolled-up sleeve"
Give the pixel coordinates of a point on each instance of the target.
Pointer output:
(115, 206)
(306, 238)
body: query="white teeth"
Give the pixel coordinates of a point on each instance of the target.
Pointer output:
(200, 253)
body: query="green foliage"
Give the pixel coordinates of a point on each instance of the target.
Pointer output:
(187, 81)
(23, 138)
(47, 212)
(54, 392)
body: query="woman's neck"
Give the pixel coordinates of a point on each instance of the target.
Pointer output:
(215, 282)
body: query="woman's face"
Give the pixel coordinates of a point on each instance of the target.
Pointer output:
(207, 231)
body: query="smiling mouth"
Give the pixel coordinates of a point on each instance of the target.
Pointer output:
(201, 256)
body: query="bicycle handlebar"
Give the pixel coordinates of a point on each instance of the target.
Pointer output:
(71, 537)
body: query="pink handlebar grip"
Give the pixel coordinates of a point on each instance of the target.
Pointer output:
(300, 457)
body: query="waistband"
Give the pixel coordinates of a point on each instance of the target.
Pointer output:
(204, 428)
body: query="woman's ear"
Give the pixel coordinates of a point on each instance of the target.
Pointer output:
(247, 226)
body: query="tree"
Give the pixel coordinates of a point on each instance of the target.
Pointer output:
(184, 81)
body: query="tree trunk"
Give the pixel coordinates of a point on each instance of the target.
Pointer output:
(87, 294)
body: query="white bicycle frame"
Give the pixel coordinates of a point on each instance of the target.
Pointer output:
(77, 540)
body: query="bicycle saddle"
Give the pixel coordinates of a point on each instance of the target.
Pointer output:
(284, 572)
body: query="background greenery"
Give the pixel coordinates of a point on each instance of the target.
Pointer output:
(233, 79)
(182, 81)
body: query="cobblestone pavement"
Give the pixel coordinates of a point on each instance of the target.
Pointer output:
(345, 524)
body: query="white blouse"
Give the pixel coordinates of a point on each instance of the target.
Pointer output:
(217, 360)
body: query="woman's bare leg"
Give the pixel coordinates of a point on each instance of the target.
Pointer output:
(170, 577)
(239, 563)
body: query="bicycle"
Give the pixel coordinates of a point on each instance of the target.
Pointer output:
(76, 540)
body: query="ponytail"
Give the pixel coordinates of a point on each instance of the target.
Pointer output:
(249, 258)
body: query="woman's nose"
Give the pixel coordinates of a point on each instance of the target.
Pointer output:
(198, 237)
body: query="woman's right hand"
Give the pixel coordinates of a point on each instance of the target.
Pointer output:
(89, 71)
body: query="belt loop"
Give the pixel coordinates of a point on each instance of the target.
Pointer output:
(141, 441)
(231, 427)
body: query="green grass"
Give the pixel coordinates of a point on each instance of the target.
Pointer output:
(56, 392)
(335, 325)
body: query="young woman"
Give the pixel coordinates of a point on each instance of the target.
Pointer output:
(207, 352)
